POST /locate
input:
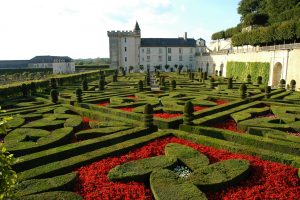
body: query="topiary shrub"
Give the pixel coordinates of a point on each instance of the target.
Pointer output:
(24, 89)
(173, 84)
(140, 86)
(101, 82)
(268, 92)
(54, 95)
(53, 83)
(205, 76)
(282, 83)
(212, 83)
(229, 83)
(243, 91)
(249, 78)
(148, 117)
(79, 95)
(293, 85)
(220, 73)
(188, 115)
(33, 88)
(259, 80)
(85, 86)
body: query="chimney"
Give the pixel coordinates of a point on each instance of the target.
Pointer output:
(185, 35)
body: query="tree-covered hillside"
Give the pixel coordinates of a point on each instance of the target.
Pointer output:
(271, 22)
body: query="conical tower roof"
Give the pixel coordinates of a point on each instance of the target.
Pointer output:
(137, 27)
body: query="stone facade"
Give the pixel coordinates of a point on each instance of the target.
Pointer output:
(127, 48)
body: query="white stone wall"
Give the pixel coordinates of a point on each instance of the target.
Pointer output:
(63, 67)
(289, 60)
(159, 56)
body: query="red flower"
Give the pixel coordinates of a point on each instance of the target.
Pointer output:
(197, 108)
(228, 124)
(268, 180)
(131, 97)
(103, 104)
(167, 115)
(220, 101)
(127, 109)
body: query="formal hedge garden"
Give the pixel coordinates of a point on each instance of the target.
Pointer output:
(110, 135)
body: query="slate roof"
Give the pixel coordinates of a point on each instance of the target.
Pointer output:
(50, 59)
(13, 64)
(168, 42)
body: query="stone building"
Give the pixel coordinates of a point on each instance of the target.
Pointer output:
(59, 64)
(127, 48)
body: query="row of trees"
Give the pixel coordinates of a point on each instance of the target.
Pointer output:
(284, 32)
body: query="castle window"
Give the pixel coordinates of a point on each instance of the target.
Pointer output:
(160, 58)
(180, 50)
(142, 50)
(180, 58)
(125, 40)
(169, 58)
(148, 50)
(125, 59)
(191, 50)
(169, 50)
(125, 48)
(160, 50)
(148, 58)
(191, 58)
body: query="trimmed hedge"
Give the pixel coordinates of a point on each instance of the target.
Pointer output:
(246, 139)
(99, 132)
(165, 185)
(140, 170)
(264, 154)
(55, 195)
(66, 165)
(64, 183)
(192, 158)
(221, 174)
(26, 140)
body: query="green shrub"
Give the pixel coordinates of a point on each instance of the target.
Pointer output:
(54, 195)
(79, 95)
(229, 83)
(8, 176)
(218, 35)
(243, 90)
(24, 90)
(140, 86)
(54, 95)
(188, 113)
(148, 115)
(85, 86)
(293, 85)
(268, 92)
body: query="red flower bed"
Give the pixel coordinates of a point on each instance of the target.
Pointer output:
(86, 122)
(167, 115)
(268, 180)
(198, 108)
(103, 104)
(127, 109)
(131, 97)
(228, 124)
(220, 101)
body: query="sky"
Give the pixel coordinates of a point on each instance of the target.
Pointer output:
(78, 28)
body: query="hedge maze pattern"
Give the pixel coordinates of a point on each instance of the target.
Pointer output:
(107, 118)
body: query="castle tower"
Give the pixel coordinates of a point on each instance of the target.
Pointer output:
(124, 48)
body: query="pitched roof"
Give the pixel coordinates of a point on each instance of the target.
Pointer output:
(50, 59)
(168, 42)
(13, 64)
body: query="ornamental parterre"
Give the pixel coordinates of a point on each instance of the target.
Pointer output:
(267, 180)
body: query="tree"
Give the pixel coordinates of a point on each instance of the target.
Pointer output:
(248, 6)
(188, 115)
(79, 95)
(243, 90)
(141, 67)
(255, 19)
(167, 67)
(130, 68)
(148, 116)
(54, 95)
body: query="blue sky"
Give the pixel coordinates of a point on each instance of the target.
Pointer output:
(78, 28)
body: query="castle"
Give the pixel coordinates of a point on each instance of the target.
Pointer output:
(127, 48)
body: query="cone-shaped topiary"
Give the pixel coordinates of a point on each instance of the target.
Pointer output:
(248, 78)
(259, 80)
(216, 73)
(53, 83)
(205, 76)
(268, 92)
(243, 90)
(188, 113)
(115, 78)
(229, 83)
(79, 95)
(85, 86)
(173, 84)
(220, 73)
(33, 88)
(24, 89)
(212, 83)
(140, 86)
(282, 83)
(293, 85)
(148, 117)
(101, 82)
(54, 95)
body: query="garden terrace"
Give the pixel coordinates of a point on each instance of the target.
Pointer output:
(103, 135)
